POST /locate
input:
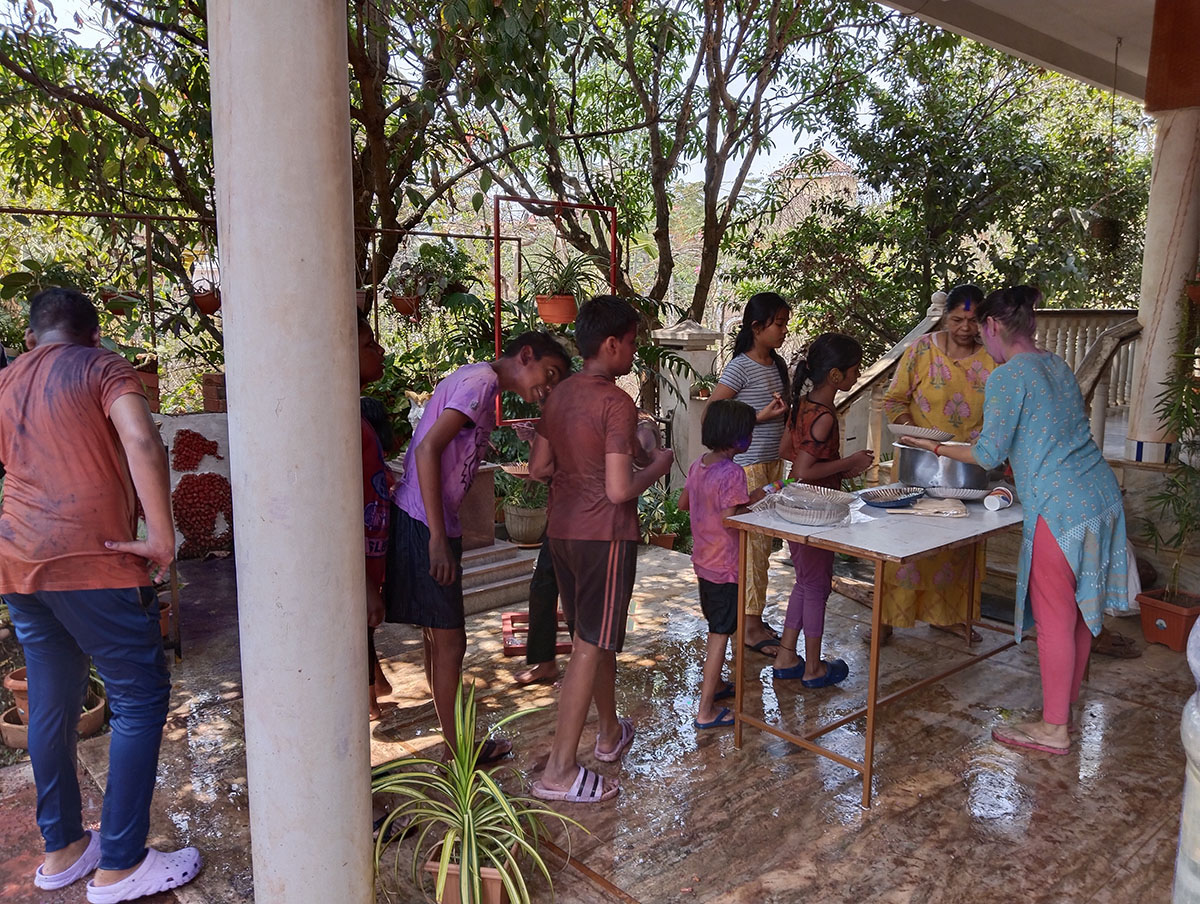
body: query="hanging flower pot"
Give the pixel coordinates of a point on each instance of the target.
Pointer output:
(207, 300)
(118, 304)
(360, 299)
(406, 305)
(557, 308)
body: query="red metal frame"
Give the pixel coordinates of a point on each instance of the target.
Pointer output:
(556, 208)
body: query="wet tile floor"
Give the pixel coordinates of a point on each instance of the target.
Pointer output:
(956, 817)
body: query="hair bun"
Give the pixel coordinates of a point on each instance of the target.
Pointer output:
(1028, 296)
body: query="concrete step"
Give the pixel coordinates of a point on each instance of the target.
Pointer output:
(517, 564)
(497, 594)
(501, 549)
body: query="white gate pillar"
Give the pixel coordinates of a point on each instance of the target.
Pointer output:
(281, 128)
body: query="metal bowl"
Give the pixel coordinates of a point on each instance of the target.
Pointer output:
(920, 468)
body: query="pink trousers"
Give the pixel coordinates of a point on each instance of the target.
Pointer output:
(1064, 640)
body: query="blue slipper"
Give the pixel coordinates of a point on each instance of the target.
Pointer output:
(725, 692)
(835, 673)
(724, 719)
(796, 671)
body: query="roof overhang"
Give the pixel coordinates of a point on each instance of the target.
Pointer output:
(1076, 37)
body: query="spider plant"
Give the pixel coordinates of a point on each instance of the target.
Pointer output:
(458, 813)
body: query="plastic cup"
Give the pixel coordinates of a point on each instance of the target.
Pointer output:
(999, 498)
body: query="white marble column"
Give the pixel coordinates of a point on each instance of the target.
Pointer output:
(1172, 244)
(281, 128)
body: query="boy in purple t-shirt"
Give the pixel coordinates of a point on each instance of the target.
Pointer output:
(715, 490)
(424, 574)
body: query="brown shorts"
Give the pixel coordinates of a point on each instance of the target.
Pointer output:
(595, 583)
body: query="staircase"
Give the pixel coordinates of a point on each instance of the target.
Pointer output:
(496, 575)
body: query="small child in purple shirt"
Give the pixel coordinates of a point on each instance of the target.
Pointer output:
(716, 489)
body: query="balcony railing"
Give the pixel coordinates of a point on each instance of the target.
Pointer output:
(1098, 345)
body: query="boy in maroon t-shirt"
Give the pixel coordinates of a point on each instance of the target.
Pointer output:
(585, 444)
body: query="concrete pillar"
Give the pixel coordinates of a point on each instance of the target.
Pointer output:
(281, 126)
(1172, 244)
(698, 346)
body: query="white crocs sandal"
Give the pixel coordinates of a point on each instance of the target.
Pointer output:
(158, 872)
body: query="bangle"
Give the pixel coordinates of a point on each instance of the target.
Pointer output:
(936, 447)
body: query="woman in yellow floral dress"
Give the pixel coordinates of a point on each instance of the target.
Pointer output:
(939, 383)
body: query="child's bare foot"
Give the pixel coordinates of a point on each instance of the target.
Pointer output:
(543, 672)
(375, 712)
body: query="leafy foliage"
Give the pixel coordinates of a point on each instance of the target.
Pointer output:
(459, 813)
(972, 166)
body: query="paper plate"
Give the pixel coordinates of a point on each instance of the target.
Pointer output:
(938, 436)
(800, 489)
(955, 493)
(813, 517)
(891, 497)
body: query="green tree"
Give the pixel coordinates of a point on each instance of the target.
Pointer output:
(971, 166)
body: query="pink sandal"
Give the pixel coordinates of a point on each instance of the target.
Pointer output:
(1025, 741)
(611, 756)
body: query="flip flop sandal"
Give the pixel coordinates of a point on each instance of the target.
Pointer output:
(494, 750)
(1025, 741)
(835, 673)
(87, 862)
(589, 788)
(729, 690)
(158, 872)
(772, 641)
(724, 719)
(611, 756)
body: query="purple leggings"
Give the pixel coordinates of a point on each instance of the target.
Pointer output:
(814, 583)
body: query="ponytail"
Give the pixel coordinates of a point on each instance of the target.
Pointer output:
(827, 352)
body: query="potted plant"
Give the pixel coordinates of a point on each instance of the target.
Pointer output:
(525, 510)
(14, 730)
(470, 834)
(116, 302)
(206, 296)
(435, 275)
(558, 282)
(702, 386)
(661, 521)
(1169, 612)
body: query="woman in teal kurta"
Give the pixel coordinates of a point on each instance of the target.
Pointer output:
(1073, 552)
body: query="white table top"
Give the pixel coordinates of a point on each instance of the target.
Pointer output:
(876, 534)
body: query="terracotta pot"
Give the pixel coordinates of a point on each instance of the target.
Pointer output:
(15, 733)
(151, 383)
(118, 303)
(1168, 623)
(15, 684)
(557, 308)
(491, 886)
(164, 616)
(208, 301)
(1193, 290)
(666, 541)
(360, 299)
(525, 525)
(92, 719)
(406, 305)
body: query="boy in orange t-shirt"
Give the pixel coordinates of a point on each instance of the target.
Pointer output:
(585, 446)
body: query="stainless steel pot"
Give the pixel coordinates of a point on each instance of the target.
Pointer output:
(920, 468)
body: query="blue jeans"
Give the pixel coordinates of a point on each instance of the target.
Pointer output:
(118, 629)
